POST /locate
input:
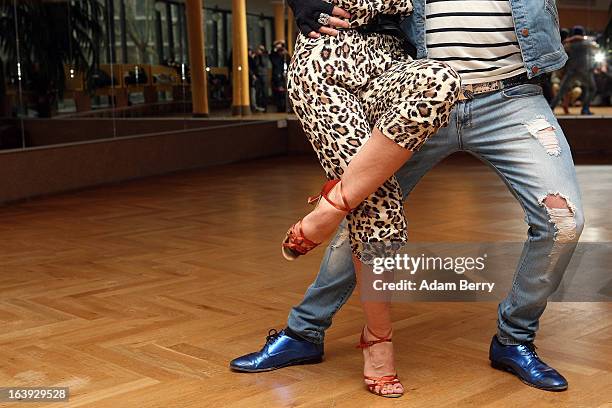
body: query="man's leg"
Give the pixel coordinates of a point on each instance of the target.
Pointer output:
(517, 134)
(589, 91)
(331, 288)
(259, 84)
(336, 279)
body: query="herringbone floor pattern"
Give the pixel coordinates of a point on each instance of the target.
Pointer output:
(138, 295)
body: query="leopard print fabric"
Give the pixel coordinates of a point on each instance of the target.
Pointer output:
(342, 87)
(364, 11)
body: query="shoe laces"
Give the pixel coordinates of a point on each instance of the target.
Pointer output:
(531, 348)
(272, 335)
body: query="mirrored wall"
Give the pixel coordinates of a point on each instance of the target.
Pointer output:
(80, 70)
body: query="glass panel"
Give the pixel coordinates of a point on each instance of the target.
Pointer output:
(182, 64)
(260, 29)
(107, 63)
(584, 85)
(267, 31)
(151, 46)
(218, 60)
(279, 58)
(257, 26)
(12, 105)
(215, 52)
(50, 57)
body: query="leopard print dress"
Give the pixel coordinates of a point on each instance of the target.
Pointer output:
(342, 87)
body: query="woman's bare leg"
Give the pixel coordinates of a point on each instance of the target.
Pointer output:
(379, 360)
(375, 163)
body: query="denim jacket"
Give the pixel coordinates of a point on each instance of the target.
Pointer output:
(537, 28)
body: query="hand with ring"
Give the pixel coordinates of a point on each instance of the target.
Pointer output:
(318, 16)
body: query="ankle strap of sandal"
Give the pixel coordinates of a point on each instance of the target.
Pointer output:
(327, 188)
(363, 344)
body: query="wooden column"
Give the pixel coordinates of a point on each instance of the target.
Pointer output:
(279, 21)
(290, 31)
(240, 60)
(195, 29)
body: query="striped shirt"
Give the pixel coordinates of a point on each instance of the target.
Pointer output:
(475, 37)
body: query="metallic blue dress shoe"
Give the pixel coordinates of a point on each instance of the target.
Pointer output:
(523, 361)
(279, 351)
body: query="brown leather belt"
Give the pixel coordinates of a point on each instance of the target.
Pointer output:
(468, 91)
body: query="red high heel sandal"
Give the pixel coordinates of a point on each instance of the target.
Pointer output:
(295, 243)
(379, 382)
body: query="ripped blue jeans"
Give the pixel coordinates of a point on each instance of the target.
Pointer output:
(514, 132)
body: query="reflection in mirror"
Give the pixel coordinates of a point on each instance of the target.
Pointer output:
(584, 85)
(107, 63)
(50, 53)
(218, 40)
(62, 62)
(269, 35)
(154, 70)
(12, 107)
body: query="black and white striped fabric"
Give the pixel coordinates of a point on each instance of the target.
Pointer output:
(475, 37)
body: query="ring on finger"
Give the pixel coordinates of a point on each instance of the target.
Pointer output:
(324, 19)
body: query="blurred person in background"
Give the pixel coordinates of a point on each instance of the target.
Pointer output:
(252, 79)
(580, 67)
(574, 94)
(278, 58)
(261, 76)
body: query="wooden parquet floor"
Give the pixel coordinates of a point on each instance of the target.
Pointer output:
(139, 294)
